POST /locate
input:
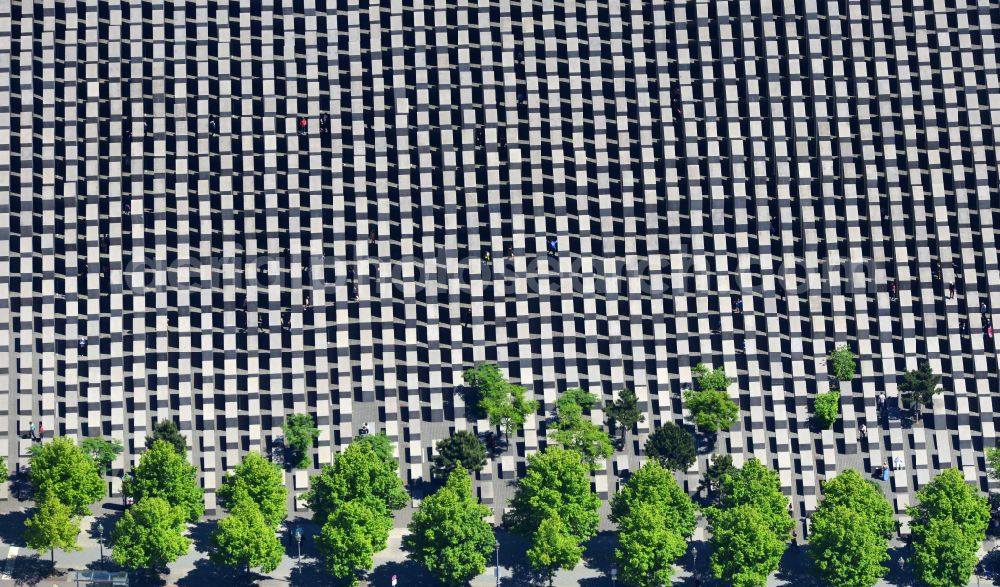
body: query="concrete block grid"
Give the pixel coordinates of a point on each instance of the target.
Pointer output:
(735, 183)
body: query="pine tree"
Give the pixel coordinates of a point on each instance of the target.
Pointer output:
(625, 411)
(166, 430)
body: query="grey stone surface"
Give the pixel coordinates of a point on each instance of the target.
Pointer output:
(173, 246)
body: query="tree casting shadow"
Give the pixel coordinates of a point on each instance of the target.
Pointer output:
(30, 570)
(206, 573)
(407, 571)
(12, 528)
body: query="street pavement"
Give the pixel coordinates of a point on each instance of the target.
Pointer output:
(22, 566)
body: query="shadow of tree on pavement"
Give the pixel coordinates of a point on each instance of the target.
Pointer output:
(517, 572)
(147, 578)
(599, 553)
(311, 572)
(201, 536)
(309, 532)
(104, 565)
(20, 486)
(108, 519)
(408, 572)
(30, 569)
(896, 575)
(206, 573)
(796, 568)
(12, 528)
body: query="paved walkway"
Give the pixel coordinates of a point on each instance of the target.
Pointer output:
(21, 566)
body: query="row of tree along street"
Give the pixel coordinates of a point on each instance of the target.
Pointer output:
(353, 501)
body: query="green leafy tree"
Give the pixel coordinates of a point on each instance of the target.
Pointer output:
(647, 549)
(948, 524)
(463, 448)
(746, 549)
(52, 526)
(711, 379)
(625, 411)
(350, 538)
(827, 408)
(502, 402)
(359, 473)
(712, 410)
(845, 548)
(992, 460)
(166, 430)
(553, 547)
(244, 539)
(449, 535)
(949, 496)
(655, 517)
(851, 490)
(483, 380)
(150, 534)
(509, 412)
(718, 468)
(654, 486)
(556, 482)
(300, 433)
(920, 386)
(673, 446)
(575, 432)
(750, 526)
(759, 487)
(102, 451)
(380, 445)
(576, 396)
(944, 553)
(62, 468)
(165, 473)
(4, 472)
(843, 363)
(262, 483)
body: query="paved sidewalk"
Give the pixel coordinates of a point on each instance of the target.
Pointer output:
(22, 566)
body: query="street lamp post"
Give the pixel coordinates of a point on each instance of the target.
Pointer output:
(298, 539)
(100, 541)
(496, 546)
